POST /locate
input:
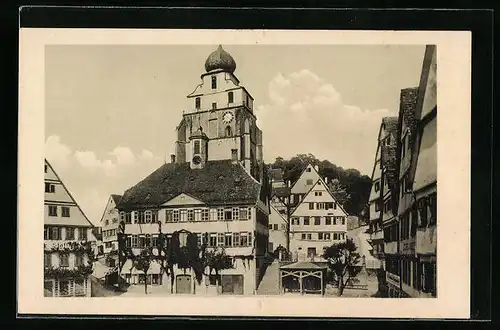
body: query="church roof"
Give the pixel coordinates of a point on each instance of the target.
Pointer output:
(218, 183)
(220, 60)
(116, 198)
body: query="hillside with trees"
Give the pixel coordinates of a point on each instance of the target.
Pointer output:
(349, 187)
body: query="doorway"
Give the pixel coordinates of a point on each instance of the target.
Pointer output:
(183, 284)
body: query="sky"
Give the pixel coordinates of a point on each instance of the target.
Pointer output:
(111, 111)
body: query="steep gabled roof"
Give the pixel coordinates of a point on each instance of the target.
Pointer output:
(83, 220)
(327, 189)
(116, 198)
(219, 182)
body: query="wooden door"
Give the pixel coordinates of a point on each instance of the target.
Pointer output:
(183, 284)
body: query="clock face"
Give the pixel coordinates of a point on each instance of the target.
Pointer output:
(196, 160)
(228, 116)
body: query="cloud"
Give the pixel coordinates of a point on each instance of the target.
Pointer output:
(307, 115)
(123, 155)
(57, 153)
(91, 179)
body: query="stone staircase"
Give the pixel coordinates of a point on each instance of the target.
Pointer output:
(269, 285)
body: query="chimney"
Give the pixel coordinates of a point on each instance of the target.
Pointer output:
(234, 156)
(172, 158)
(316, 167)
(288, 183)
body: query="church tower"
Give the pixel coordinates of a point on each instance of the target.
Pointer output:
(218, 122)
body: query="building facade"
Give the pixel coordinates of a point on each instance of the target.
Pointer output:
(380, 201)
(109, 225)
(215, 186)
(68, 238)
(317, 221)
(423, 179)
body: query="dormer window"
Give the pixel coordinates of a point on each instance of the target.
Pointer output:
(197, 103)
(230, 97)
(214, 82)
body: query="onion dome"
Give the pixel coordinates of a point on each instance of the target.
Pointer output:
(220, 60)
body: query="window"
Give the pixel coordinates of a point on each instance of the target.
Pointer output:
(52, 210)
(128, 217)
(220, 214)
(175, 215)
(220, 239)
(311, 206)
(213, 214)
(309, 236)
(244, 239)
(197, 215)
(214, 82)
(320, 206)
(148, 216)
(45, 168)
(343, 220)
(228, 240)
(318, 193)
(136, 216)
(47, 259)
(377, 206)
(64, 288)
(295, 221)
(306, 221)
(196, 147)
(377, 186)
(64, 260)
(320, 236)
(236, 239)
(212, 242)
(55, 233)
(214, 279)
(230, 97)
(128, 241)
(308, 169)
(309, 182)
(134, 241)
(326, 236)
(70, 233)
(142, 216)
(283, 226)
(328, 220)
(190, 215)
(228, 131)
(248, 100)
(197, 103)
(317, 221)
(78, 260)
(228, 214)
(183, 214)
(275, 226)
(243, 213)
(422, 208)
(214, 105)
(50, 188)
(236, 213)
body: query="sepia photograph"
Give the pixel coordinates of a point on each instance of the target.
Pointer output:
(256, 170)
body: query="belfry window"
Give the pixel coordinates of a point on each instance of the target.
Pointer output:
(229, 132)
(196, 147)
(197, 103)
(214, 82)
(230, 97)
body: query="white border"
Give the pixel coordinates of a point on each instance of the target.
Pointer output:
(454, 76)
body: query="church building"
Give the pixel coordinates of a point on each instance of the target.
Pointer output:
(214, 186)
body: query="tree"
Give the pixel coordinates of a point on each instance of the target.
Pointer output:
(339, 192)
(142, 262)
(216, 259)
(344, 262)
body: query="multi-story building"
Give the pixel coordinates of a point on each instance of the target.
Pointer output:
(67, 242)
(215, 186)
(277, 226)
(317, 221)
(380, 195)
(423, 178)
(109, 226)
